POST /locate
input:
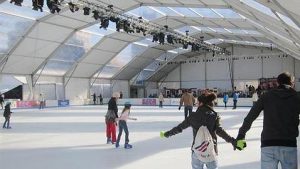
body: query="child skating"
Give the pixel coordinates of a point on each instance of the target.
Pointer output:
(123, 126)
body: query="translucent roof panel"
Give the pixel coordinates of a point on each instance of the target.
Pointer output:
(156, 64)
(68, 53)
(214, 41)
(183, 30)
(79, 44)
(145, 12)
(127, 54)
(147, 42)
(258, 6)
(185, 11)
(288, 21)
(24, 11)
(145, 74)
(84, 39)
(220, 30)
(56, 68)
(227, 13)
(204, 29)
(108, 71)
(206, 12)
(11, 29)
(167, 11)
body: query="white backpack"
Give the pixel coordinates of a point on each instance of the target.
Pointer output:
(204, 146)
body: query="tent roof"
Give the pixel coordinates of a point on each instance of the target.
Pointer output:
(72, 45)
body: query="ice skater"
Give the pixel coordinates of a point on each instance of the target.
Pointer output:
(6, 115)
(123, 126)
(225, 99)
(204, 116)
(2, 100)
(110, 118)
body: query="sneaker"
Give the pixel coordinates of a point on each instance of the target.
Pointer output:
(127, 146)
(117, 145)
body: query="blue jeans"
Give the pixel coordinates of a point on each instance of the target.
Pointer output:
(271, 156)
(197, 164)
(123, 126)
(187, 111)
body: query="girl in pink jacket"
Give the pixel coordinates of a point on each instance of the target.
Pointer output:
(123, 126)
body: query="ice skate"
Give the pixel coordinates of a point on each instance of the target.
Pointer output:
(127, 146)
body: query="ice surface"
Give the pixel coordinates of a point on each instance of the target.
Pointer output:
(74, 138)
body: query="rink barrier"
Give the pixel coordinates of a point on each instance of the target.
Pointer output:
(242, 102)
(36, 104)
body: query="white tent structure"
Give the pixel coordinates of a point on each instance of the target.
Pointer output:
(67, 51)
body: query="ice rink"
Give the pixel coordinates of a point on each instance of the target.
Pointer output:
(74, 138)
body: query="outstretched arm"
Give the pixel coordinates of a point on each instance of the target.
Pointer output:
(178, 129)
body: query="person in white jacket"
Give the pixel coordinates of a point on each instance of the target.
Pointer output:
(123, 126)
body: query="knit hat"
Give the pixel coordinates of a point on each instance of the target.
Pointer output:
(127, 104)
(7, 103)
(116, 95)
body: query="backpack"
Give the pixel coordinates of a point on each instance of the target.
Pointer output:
(204, 146)
(110, 116)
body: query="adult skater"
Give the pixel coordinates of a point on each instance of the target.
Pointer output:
(188, 100)
(225, 99)
(1, 100)
(123, 126)
(280, 125)
(204, 116)
(42, 101)
(6, 115)
(161, 100)
(94, 98)
(101, 99)
(235, 99)
(110, 118)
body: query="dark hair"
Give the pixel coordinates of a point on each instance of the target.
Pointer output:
(207, 99)
(284, 78)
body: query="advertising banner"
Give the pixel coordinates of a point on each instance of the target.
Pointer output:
(63, 103)
(27, 104)
(149, 102)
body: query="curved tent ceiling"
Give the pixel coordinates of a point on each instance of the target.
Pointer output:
(72, 45)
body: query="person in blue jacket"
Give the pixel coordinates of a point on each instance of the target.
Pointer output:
(235, 99)
(225, 99)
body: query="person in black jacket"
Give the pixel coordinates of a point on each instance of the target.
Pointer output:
(281, 109)
(6, 115)
(205, 115)
(110, 118)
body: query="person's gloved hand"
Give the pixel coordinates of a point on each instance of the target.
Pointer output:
(179, 107)
(162, 134)
(241, 144)
(234, 143)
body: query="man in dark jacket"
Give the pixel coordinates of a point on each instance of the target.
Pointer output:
(281, 108)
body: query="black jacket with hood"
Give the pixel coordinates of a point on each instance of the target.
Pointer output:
(206, 116)
(281, 109)
(112, 105)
